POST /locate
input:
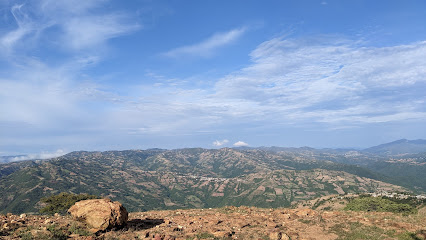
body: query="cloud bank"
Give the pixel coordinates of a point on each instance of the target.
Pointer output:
(42, 155)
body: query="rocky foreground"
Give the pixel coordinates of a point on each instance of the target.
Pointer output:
(226, 223)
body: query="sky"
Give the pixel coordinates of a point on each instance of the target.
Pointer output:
(111, 75)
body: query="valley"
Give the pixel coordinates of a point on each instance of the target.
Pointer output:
(156, 179)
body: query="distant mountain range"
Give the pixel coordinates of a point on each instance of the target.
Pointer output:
(402, 146)
(399, 147)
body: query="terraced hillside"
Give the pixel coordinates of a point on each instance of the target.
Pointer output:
(186, 178)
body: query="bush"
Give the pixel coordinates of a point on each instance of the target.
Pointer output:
(378, 204)
(62, 202)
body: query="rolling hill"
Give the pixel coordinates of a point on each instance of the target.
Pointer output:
(186, 178)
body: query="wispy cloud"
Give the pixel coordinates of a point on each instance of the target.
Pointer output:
(89, 31)
(321, 81)
(219, 143)
(207, 47)
(43, 97)
(24, 27)
(67, 24)
(326, 82)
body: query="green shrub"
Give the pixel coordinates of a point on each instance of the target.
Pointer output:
(62, 202)
(378, 204)
(205, 235)
(74, 228)
(26, 235)
(57, 233)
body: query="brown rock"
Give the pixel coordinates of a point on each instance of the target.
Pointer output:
(285, 237)
(168, 237)
(306, 212)
(159, 237)
(222, 234)
(275, 236)
(100, 214)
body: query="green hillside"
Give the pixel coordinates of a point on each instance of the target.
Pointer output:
(186, 178)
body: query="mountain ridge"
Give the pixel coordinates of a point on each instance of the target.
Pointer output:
(187, 178)
(404, 147)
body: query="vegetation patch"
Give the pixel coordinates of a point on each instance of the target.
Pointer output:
(355, 230)
(205, 235)
(62, 202)
(57, 233)
(379, 204)
(76, 229)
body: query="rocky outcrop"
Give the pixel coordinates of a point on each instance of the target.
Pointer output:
(247, 223)
(100, 214)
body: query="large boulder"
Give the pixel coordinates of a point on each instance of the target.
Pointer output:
(100, 214)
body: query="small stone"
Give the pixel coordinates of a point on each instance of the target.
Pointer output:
(305, 212)
(222, 234)
(23, 215)
(178, 229)
(5, 226)
(158, 237)
(275, 236)
(285, 237)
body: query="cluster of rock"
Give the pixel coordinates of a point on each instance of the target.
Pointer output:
(103, 216)
(11, 222)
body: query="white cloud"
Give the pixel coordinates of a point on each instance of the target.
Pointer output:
(24, 27)
(219, 143)
(89, 31)
(321, 80)
(67, 24)
(240, 144)
(325, 82)
(50, 99)
(42, 155)
(207, 47)
(331, 81)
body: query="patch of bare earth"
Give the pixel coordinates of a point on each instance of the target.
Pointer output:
(221, 223)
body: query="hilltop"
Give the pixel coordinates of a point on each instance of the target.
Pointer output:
(228, 223)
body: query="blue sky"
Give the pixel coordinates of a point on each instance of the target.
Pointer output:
(105, 75)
